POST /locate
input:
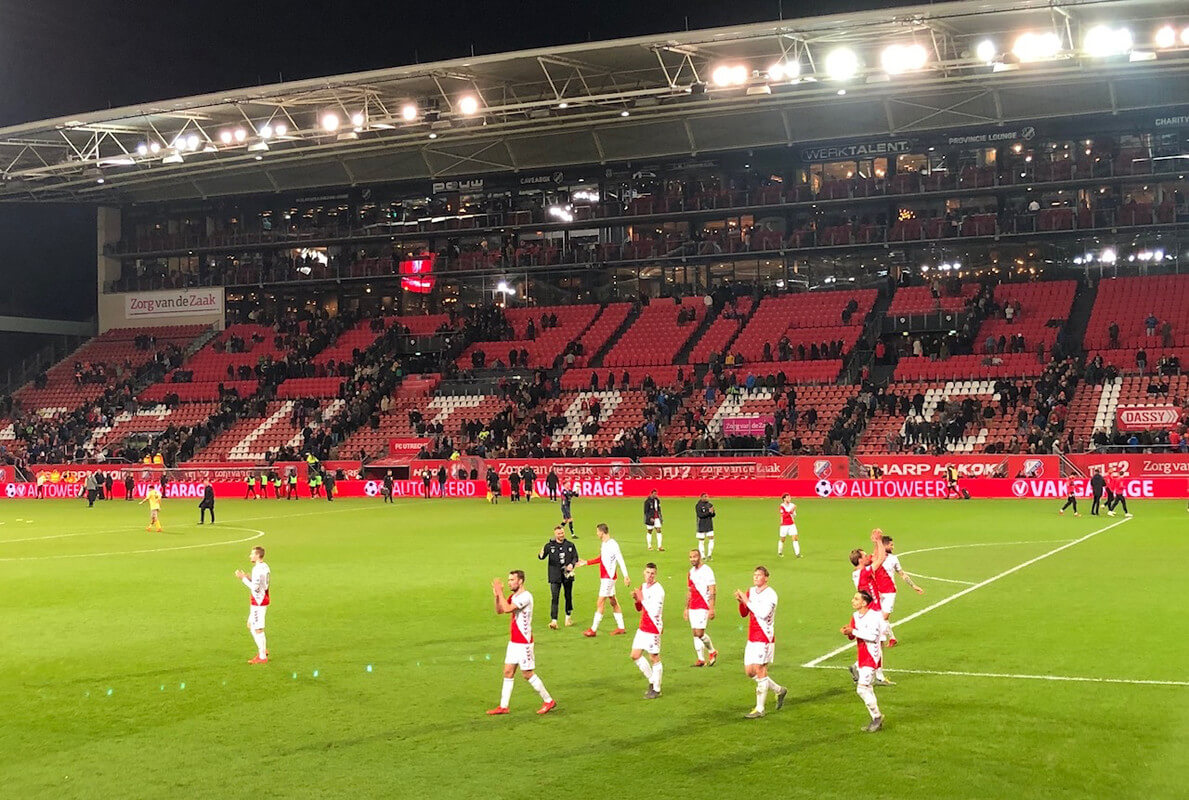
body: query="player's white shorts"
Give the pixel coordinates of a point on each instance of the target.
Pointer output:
(256, 617)
(887, 602)
(704, 534)
(521, 655)
(756, 653)
(606, 587)
(648, 642)
(653, 526)
(866, 676)
(698, 618)
(788, 530)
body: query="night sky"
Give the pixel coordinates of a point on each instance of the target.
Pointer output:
(62, 57)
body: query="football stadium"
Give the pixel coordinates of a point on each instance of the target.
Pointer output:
(551, 353)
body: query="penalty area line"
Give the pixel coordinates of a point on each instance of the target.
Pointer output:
(969, 589)
(942, 580)
(1015, 676)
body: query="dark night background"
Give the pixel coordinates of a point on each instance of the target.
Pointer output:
(63, 57)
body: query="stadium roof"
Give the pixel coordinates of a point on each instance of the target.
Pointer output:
(615, 101)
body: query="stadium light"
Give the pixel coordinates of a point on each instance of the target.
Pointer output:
(986, 51)
(330, 122)
(408, 112)
(1185, 36)
(1102, 41)
(468, 104)
(280, 129)
(266, 131)
(1036, 46)
(154, 147)
(842, 64)
(241, 135)
(357, 119)
(785, 70)
(897, 59)
(193, 142)
(142, 149)
(225, 137)
(729, 75)
(1166, 37)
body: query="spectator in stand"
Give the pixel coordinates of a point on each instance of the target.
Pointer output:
(1166, 334)
(1150, 324)
(1141, 359)
(1113, 333)
(1009, 313)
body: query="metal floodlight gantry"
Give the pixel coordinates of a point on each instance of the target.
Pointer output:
(924, 65)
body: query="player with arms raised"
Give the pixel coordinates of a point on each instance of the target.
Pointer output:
(610, 562)
(866, 565)
(759, 604)
(885, 584)
(519, 603)
(866, 628)
(650, 602)
(788, 526)
(257, 583)
(699, 607)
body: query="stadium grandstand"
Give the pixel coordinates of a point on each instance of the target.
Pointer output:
(953, 228)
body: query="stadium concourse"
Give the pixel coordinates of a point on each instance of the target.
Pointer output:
(750, 371)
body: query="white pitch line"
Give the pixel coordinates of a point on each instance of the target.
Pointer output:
(970, 589)
(243, 519)
(935, 578)
(980, 544)
(258, 534)
(1013, 676)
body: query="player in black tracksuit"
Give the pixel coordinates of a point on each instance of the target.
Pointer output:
(652, 521)
(1097, 487)
(567, 517)
(514, 486)
(528, 477)
(705, 512)
(563, 557)
(207, 504)
(551, 483)
(386, 488)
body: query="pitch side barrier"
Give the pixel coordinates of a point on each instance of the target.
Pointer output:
(824, 488)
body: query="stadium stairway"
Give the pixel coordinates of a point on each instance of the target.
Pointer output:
(1079, 319)
(596, 358)
(695, 337)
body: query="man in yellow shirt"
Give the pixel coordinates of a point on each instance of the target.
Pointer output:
(153, 498)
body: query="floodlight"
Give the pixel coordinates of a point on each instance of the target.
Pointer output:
(1036, 46)
(1102, 41)
(1166, 36)
(330, 122)
(729, 75)
(241, 135)
(842, 64)
(409, 112)
(899, 58)
(986, 51)
(785, 70)
(468, 105)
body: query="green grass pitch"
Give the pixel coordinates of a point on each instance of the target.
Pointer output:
(123, 656)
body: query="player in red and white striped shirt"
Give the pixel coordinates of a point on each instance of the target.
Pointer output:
(866, 628)
(699, 607)
(759, 604)
(610, 562)
(257, 584)
(885, 584)
(519, 603)
(650, 602)
(788, 526)
(866, 565)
